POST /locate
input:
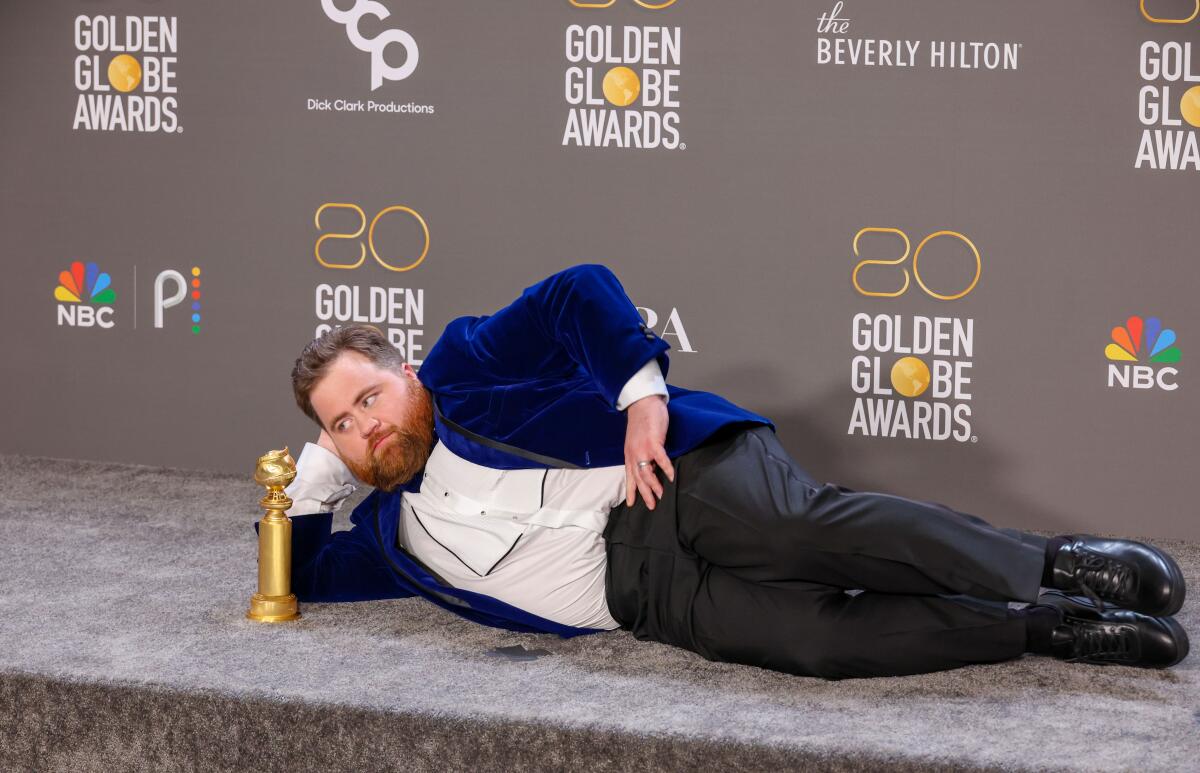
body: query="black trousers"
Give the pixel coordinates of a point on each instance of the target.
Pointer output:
(747, 559)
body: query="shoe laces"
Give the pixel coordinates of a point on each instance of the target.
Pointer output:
(1098, 574)
(1104, 641)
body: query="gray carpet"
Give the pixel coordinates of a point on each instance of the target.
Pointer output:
(123, 643)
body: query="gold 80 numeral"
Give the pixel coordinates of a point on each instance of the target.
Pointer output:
(916, 269)
(1157, 20)
(362, 248)
(609, 3)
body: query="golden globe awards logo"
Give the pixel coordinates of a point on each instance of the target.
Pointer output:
(397, 239)
(622, 85)
(1168, 105)
(911, 374)
(125, 73)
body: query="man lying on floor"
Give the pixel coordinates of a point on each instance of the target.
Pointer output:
(507, 475)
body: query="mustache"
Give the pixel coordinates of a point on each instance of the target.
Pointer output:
(380, 434)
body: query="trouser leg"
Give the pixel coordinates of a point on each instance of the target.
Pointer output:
(826, 632)
(745, 505)
(802, 628)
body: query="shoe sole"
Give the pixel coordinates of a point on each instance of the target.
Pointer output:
(1178, 590)
(1180, 636)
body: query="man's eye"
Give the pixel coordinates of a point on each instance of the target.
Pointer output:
(368, 400)
(342, 425)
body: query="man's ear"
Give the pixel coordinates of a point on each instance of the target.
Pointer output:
(408, 371)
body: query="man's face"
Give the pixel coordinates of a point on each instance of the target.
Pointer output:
(381, 420)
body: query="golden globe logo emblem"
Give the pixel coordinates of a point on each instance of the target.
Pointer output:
(621, 86)
(124, 73)
(1189, 106)
(910, 376)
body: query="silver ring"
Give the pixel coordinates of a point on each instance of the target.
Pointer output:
(646, 463)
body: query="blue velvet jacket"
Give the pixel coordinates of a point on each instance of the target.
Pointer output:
(542, 374)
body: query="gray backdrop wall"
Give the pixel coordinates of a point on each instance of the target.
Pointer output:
(821, 205)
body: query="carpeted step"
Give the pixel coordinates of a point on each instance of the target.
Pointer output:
(123, 645)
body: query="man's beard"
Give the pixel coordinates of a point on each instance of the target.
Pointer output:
(404, 454)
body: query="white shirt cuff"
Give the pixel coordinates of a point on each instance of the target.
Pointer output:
(647, 381)
(323, 481)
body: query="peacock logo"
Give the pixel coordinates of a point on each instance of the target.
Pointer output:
(1140, 338)
(84, 293)
(1140, 341)
(82, 282)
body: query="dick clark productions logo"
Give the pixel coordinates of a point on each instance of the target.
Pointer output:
(376, 46)
(385, 46)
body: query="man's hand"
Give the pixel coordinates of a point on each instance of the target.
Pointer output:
(645, 436)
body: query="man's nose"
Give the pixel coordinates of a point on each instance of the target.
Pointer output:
(369, 424)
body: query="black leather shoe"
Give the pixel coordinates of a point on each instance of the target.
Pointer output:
(1119, 572)
(1089, 635)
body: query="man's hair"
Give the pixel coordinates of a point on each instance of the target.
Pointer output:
(313, 363)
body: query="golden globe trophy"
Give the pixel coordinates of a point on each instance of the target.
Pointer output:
(274, 602)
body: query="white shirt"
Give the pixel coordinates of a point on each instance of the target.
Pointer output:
(531, 538)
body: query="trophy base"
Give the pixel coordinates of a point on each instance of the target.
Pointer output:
(273, 609)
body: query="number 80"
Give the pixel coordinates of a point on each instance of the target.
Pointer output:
(915, 263)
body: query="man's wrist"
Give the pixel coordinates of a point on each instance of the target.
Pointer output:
(647, 401)
(647, 381)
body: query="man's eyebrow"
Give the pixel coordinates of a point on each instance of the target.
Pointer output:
(357, 399)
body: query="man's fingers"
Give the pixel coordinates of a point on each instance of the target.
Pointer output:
(664, 462)
(644, 487)
(647, 494)
(651, 478)
(644, 477)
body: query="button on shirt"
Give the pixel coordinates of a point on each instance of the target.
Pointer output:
(531, 538)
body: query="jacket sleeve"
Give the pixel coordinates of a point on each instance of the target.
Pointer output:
(338, 566)
(577, 318)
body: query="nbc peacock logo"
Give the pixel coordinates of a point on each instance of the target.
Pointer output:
(85, 294)
(1136, 343)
